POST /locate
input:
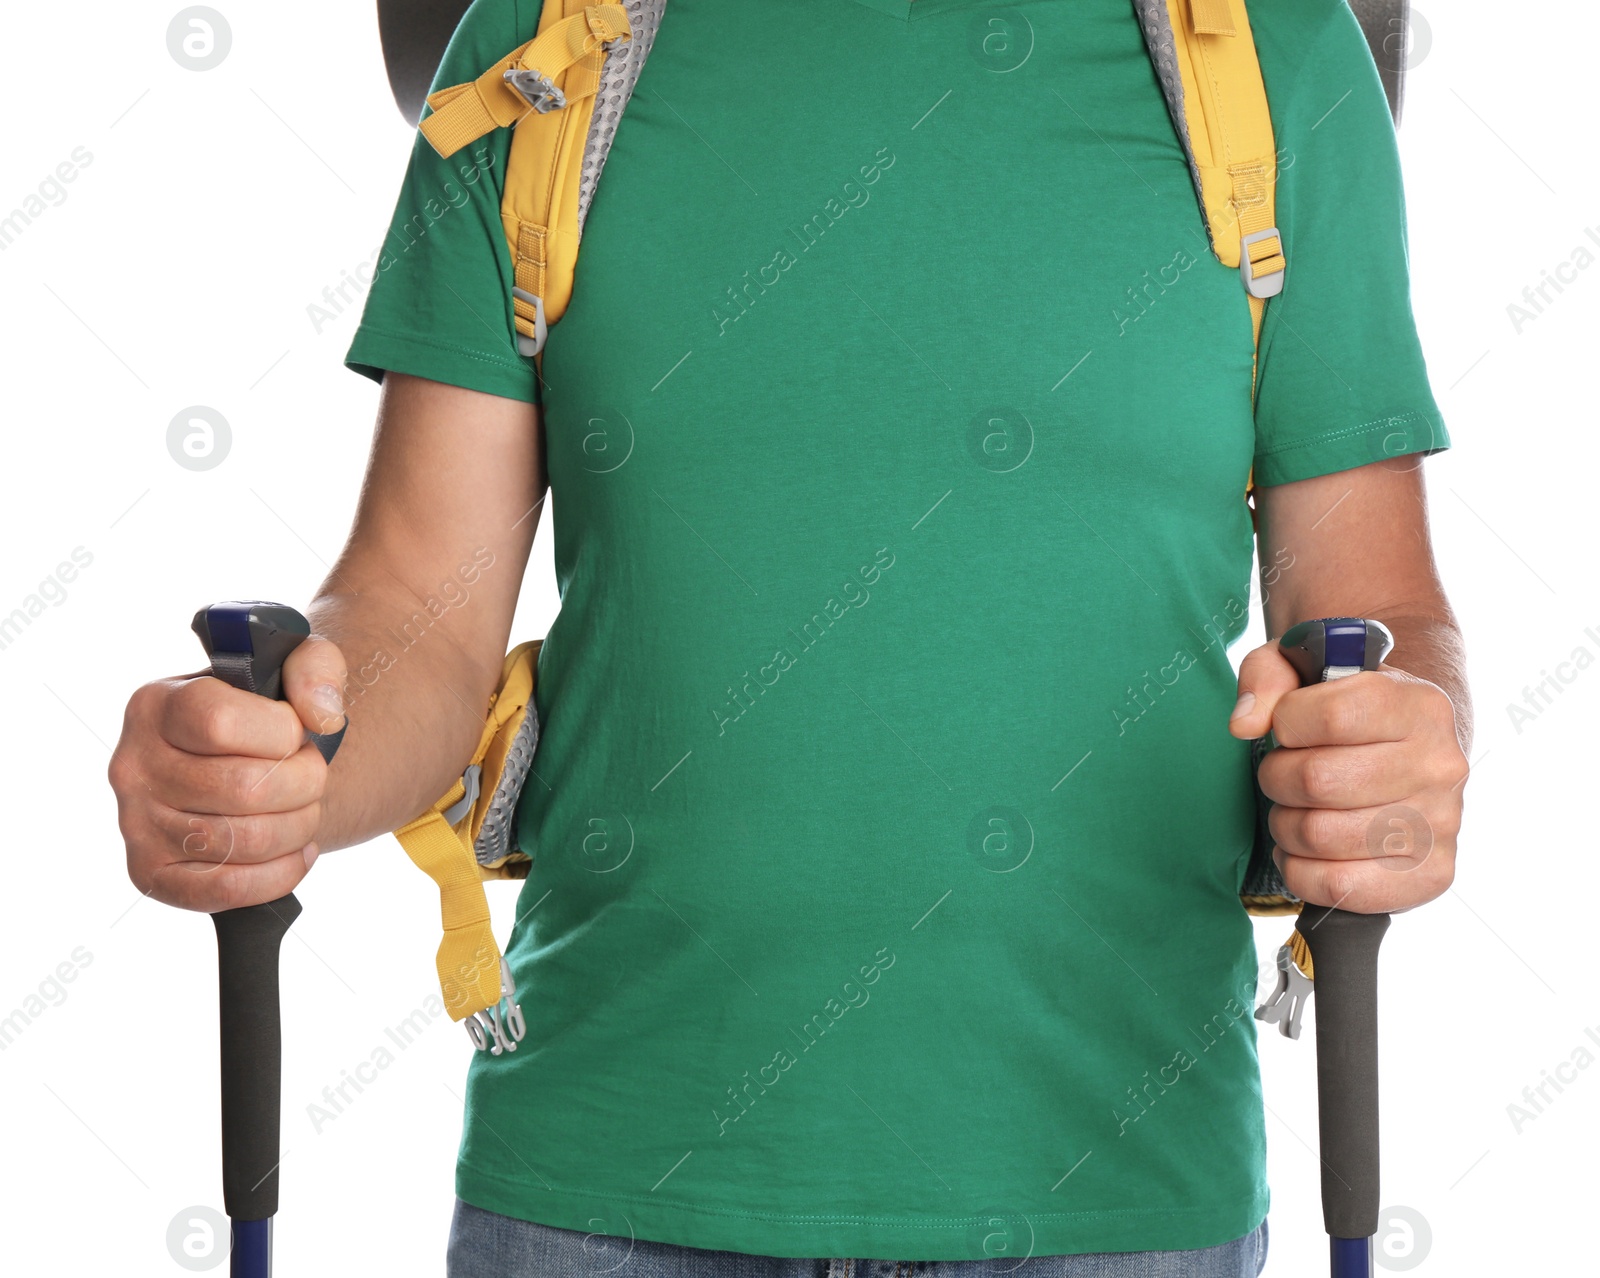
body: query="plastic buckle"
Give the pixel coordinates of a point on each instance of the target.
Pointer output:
(1269, 285)
(536, 89)
(496, 1031)
(470, 781)
(532, 345)
(1287, 1003)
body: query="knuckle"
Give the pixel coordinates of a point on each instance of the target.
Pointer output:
(1347, 715)
(143, 700)
(1319, 777)
(118, 773)
(1342, 882)
(1322, 829)
(237, 787)
(1451, 768)
(1445, 824)
(207, 838)
(216, 721)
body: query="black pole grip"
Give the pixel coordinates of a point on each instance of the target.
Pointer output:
(1344, 959)
(1344, 963)
(247, 642)
(252, 1053)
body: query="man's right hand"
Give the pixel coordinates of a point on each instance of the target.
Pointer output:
(219, 793)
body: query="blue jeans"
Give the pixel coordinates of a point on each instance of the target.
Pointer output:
(486, 1245)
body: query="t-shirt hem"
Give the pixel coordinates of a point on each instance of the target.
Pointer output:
(1418, 434)
(375, 351)
(822, 1235)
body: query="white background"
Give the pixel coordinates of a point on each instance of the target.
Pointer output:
(178, 271)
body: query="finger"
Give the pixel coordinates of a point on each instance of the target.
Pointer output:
(1396, 836)
(1363, 887)
(1359, 776)
(242, 840)
(1265, 678)
(206, 716)
(237, 785)
(192, 886)
(1363, 708)
(314, 677)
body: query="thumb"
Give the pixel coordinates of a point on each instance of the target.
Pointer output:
(1265, 678)
(314, 678)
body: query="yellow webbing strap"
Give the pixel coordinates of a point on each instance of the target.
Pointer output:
(539, 207)
(539, 204)
(1301, 953)
(1268, 906)
(468, 958)
(1232, 145)
(1230, 137)
(1212, 17)
(463, 113)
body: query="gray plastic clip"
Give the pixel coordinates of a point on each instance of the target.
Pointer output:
(463, 805)
(536, 89)
(495, 1030)
(531, 346)
(1269, 285)
(1287, 1003)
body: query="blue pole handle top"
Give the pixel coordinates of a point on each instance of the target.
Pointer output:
(1344, 958)
(247, 642)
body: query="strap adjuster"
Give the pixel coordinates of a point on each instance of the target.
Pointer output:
(470, 780)
(1270, 284)
(531, 346)
(536, 89)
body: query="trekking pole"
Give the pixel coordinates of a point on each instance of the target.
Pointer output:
(247, 643)
(1344, 961)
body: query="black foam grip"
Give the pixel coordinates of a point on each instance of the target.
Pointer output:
(1344, 958)
(252, 1050)
(248, 941)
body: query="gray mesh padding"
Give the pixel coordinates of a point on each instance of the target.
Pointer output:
(617, 78)
(1156, 24)
(497, 836)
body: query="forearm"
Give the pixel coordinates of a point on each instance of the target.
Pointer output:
(1428, 644)
(1356, 544)
(417, 691)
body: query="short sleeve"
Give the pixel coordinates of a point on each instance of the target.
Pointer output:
(440, 303)
(1341, 380)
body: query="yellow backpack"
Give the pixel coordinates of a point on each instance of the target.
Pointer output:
(545, 91)
(468, 836)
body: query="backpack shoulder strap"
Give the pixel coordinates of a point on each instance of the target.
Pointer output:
(1205, 59)
(546, 91)
(467, 836)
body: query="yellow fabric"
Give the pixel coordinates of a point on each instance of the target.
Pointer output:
(468, 959)
(1300, 951)
(1269, 906)
(1213, 17)
(463, 113)
(539, 207)
(1231, 141)
(1230, 127)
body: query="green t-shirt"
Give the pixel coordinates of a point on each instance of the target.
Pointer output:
(889, 832)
